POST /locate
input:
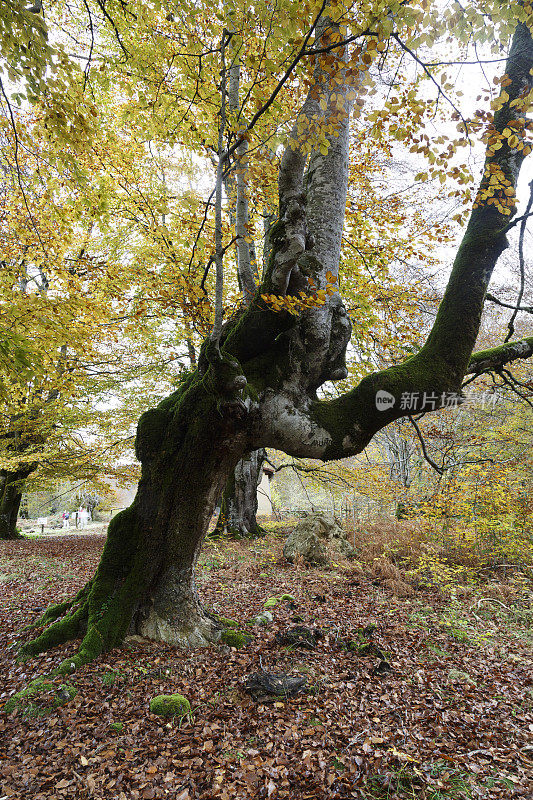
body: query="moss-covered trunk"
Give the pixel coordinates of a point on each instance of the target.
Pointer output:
(188, 446)
(11, 487)
(238, 509)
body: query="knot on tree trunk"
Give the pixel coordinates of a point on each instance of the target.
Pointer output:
(225, 379)
(151, 431)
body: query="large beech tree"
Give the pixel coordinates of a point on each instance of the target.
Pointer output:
(259, 373)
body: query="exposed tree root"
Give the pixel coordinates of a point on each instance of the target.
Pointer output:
(56, 611)
(200, 630)
(101, 612)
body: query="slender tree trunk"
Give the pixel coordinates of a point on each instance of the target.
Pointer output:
(238, 509)
(11, 488)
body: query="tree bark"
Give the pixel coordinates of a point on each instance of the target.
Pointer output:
(11, 488)
(258, 389)
(188, 446)
(238, 509)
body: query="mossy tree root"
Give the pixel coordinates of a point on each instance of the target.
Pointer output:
(60, 631)
(101, 612)
(57, 610)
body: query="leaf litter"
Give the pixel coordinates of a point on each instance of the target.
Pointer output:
(452, 718)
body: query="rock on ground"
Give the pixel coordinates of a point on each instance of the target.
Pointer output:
(315, 538)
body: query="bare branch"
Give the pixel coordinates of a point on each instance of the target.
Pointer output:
(433, 80)
(281, 83)
(526, 309)
(521, 262)
(425, 453)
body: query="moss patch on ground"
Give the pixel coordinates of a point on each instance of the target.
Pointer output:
(170, 705)
(234, 638)
(40, 697)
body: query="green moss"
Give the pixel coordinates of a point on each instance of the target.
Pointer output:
(271, 602)
(234, 638)
(70, 627)
(256, 331)
(107, 601)
(69, 689)
(226, 622)
(361, 648)
(70, 665)
(287, 598)
(224, 377)
(170, 705)
(116, 727)
(251, 392)
(364, 649)
(40, 697)
(52, 613)
(355, 412)
(499, 355)
(151, 431)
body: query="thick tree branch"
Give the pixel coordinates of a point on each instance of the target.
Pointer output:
(344, 426)
(497, 357)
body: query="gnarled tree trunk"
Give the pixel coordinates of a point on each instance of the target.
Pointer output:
(238, 508)
(188, 446)
(260, 390)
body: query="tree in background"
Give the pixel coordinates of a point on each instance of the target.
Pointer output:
(96, 354)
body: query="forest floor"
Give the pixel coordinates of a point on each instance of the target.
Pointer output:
(452, 719)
